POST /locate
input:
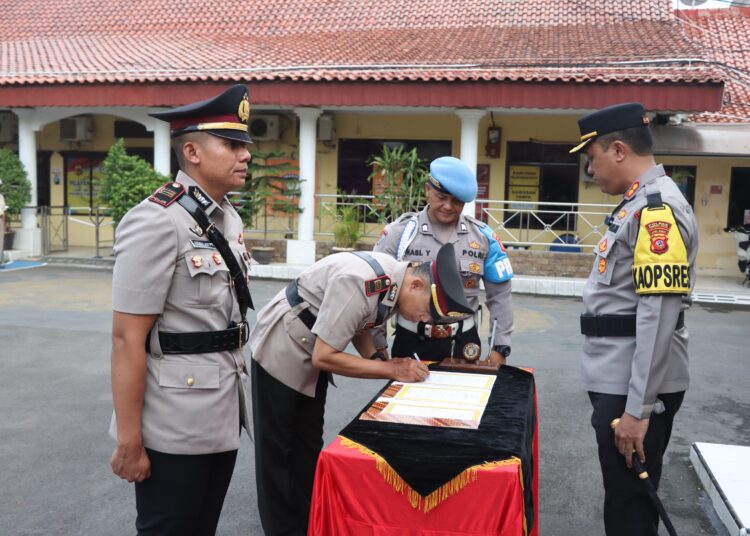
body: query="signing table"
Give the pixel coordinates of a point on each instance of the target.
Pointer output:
(437, 477)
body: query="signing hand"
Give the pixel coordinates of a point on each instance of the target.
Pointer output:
(496, 358)
(131, 463)
(629, 435)
(406, 369)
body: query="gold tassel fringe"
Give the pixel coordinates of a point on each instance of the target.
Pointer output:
(445, 491)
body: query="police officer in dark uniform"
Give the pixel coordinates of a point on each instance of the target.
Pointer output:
(635, 362)
(179, 297)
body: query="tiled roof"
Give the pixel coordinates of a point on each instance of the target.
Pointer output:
(59, 41)
(724, 37)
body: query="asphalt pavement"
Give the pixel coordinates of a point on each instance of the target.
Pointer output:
(55, 325)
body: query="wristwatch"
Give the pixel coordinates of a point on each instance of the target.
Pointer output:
(502, 349)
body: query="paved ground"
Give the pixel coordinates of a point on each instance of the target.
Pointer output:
(56, 405)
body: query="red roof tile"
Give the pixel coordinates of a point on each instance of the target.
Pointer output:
(724, 38)
(64, 41)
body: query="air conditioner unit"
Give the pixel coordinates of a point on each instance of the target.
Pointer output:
(76, 129)
(710, 4)
(326, 131)
(8, 128)
(264, 127)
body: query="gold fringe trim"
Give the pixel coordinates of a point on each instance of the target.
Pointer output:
(445, 491)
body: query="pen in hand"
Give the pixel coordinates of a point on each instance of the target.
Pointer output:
(416, 356)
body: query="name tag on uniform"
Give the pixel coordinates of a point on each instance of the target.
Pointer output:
(202, 244)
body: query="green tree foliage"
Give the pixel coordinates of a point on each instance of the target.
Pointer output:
(348, 228)
(272, 188)
(16, 187)
(127, 180)
(398, 179)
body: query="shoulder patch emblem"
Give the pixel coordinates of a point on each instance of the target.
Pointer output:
(621, 215)
(633, 189)
(392, 293)
(377, 285)
(474, 245)
(602, 265)
(167, 194)
(241, 238)
(603, 245)
(659, 231)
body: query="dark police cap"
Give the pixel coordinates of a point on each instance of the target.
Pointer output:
(610, 119)
(448, 298)
(224, 115)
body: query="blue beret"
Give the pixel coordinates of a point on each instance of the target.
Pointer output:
(451, 176)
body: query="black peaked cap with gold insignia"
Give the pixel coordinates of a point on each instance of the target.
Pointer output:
(448, 298)
(224, 115)
(610, 119)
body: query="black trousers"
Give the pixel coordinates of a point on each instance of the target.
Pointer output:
(184, 494)
(407, 342)
(628, 511)
(288, 439)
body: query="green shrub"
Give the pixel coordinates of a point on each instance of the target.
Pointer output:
(16, 187)
(127, 180)
(348, 227)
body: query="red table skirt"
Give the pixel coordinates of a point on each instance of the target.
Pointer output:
(357, 494)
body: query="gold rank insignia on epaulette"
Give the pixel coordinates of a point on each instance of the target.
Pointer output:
(167, 194)
(660, 263)
(377, 285)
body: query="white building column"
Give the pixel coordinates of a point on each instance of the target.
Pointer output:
(302, 250)
(470, 144)
(29, 237)
(162, 147)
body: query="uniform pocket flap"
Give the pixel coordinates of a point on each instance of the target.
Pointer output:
(189, 376)
(298, 331)
(472, 267)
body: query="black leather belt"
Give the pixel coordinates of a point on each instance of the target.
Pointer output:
(201, 342)
(293, 297)
(615, 325)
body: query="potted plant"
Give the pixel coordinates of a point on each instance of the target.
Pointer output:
(348, 228)
(272, 189)
(398, 180)
(16, 189)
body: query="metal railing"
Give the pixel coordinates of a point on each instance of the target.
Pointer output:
(98, 217)
(328, 205)
(549, 224)
(54, 224)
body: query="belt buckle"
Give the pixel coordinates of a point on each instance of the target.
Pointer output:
(242, 334)
(441, 331)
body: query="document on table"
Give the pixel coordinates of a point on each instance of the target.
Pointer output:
(447, 399)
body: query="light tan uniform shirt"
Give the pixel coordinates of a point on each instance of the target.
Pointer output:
(474, 259)
(334, 291)
(164, 265)
(655, 360)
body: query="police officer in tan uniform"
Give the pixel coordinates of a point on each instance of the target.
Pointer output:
(480, 256)
(635, 361)
(179, 298)
(300, 339)
(2, 225)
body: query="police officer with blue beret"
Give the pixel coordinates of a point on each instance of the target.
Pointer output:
(635, 361)
(180, 296)
(480, 256)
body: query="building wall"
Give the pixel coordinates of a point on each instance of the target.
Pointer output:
(716, 256)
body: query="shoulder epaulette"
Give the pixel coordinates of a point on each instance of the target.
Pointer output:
(167, 194)
(472, 219)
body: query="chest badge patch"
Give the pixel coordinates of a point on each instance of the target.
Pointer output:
(470, 282)
(240, 239)
(197, 261)
(602, 265)
(658, 231)
(196, 230)
(621, 215)
(633, 189)
(392, 293)
(603, 245)
(474, 267)
(217, 257)
(474, 245)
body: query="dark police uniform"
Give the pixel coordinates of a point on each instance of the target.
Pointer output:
(167, 264)
(480, 256)
(334, 299)
(635, 352)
